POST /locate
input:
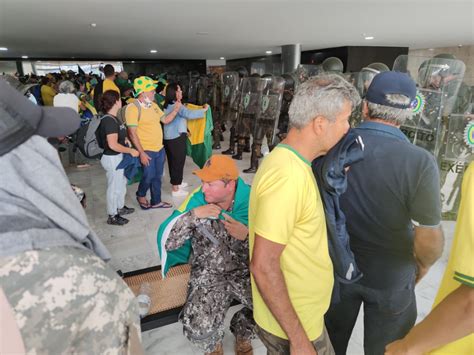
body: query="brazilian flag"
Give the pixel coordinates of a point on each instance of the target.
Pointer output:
(199, 143)
(196, 199)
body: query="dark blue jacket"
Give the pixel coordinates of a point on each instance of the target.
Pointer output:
(132, 167)
(330, 174)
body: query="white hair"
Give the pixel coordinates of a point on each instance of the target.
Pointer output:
(323, 95)
(394, 115)
(66, 87)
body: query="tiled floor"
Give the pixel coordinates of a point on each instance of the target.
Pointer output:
(134, 247)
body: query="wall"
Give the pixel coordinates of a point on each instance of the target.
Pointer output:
(464, 53)
(165, 66)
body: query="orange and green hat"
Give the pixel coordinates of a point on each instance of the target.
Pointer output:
(143, 84)
(218, 167)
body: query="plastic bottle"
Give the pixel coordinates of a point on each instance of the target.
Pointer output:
(144, 299)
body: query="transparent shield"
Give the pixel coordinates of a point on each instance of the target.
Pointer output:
(305, 71)
(251, 93)
(272, 94)
(423, 129)
(230, 82)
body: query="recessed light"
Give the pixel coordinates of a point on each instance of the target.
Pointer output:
(221, 58)
(202, 33)
(459, 45)
(24, 56)
(153, 51)
(368, 38)
(3, 49)
(133, 61)
(93, 25)
(431, 49)
(268, 52)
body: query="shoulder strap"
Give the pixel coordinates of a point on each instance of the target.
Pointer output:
(139, 108)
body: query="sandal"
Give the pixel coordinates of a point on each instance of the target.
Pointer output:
(143, 206)
(162, 204)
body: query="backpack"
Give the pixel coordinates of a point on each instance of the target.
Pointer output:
(88, 139)
(121, 112)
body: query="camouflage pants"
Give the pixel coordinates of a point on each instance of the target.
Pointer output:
(68, 301)
(278, 346)
(205, 309)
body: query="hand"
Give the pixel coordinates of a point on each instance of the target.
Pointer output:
(207, 211)
(399, 347)
(134, 153)
(177, 106)
(145, 159)
(304, 348)
(206, 107)
(236, 229)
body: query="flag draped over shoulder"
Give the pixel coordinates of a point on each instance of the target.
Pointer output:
(196, 199)
(199, 143)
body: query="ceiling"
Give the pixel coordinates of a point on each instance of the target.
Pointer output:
(186, 29)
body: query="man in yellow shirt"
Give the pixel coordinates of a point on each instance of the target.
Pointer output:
(47, 91)
(449, 328)
(146, 134)
(292, 273)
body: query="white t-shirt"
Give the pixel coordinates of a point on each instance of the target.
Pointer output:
(66, 100)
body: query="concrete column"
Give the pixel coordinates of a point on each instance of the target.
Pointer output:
(290, 57)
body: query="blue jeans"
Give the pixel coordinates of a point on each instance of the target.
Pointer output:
(151, 179)
(388, 316)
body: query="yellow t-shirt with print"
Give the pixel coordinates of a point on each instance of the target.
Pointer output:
(460, 268)
(149, 129)
(286, 208)
(47, 94)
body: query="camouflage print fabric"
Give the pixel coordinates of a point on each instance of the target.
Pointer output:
(68, 301)
(219, 275)
(278, 346)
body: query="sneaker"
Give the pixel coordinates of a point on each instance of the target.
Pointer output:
(126, 210)
(179, 193)
(117, 220)
(183, 185)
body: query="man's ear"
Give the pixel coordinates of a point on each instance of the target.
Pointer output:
(319, 124)
(365, 109)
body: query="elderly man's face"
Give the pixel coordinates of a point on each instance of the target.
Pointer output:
(217, 191)
(337, 129)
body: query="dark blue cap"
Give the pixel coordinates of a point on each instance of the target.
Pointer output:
(391, 82)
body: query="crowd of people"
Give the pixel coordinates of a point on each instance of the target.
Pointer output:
(277, 246)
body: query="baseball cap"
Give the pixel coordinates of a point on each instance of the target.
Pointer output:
(143, 84)
(218, 167)
(20, 119)
(388, 83)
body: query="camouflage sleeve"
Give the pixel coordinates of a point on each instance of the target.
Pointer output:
(182, 230)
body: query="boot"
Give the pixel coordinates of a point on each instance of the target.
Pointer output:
(247, 145)
(232, 142)
(243, 346)
(253, 161)
(219, 350)
(240, 148)
(216, 145)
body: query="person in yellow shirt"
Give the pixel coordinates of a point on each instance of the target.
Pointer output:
(449, 328)
(144, 128)
(47, 91)
(292, 273)
(102, 86)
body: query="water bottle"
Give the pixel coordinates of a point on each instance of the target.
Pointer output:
(144, 299)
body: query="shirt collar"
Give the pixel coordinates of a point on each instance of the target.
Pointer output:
(385, 128)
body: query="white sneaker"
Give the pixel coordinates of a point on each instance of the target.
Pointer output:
(179, 193)
(183, 185)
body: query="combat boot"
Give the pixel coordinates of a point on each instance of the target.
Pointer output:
(243, 346)
(216, 145)
(219, 350)
(253, 161)
(247, 145)
(240, 149)
(232, 142)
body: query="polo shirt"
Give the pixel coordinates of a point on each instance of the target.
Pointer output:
(394, 188)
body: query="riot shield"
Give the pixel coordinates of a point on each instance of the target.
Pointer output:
(203, 86)
(193, 86)
(230, 98)
(288, 93)
(251, 94)
(424, 128)
(183, 81)
(272, 89)
(305, 71)
(457, 153)
(437, 74)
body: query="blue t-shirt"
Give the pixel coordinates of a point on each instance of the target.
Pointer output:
(395, 187)
(179, 125)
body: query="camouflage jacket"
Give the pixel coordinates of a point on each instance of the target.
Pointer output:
(216, 256)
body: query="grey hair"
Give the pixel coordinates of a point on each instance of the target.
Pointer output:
(323, 95)
(394, 115)
(66, 87)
